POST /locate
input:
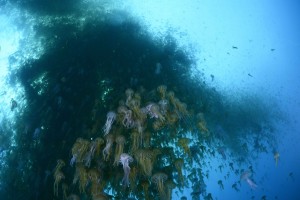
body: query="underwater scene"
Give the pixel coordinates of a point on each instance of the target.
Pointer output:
(149, 100)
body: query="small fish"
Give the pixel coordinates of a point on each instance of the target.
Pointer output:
(234, 47)
(250, 75)
(272, 49)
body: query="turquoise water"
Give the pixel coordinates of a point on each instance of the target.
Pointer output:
(212, 111)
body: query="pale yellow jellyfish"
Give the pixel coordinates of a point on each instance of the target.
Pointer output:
(108, 148)
(120, 140)
(184, 144)
(162, 89)
(145, 185)
(158, 179)
(81, 176)
(58, 176)
(145, 159)
(94, 179)
(170, 185)
(98, 142)
(178, 165)
(201, 125)
(79, 150)
(146, 139)
(135, 141)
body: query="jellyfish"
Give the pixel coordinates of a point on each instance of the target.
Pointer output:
(220, 168)
(163, 106)
(100, 197)
(276, 158)
(178, 165)
(135, 141)
(94, 179)
(129, 94)
(184, 144)
(162, 89)
(81, 175)
(246, 176)
(231, 166)
(158, 125)
(64, 189)
(73, 197)
(58, 175)
(170, 185)
(154, 112)
(220, 183)
(203, 129)
(145, 186)
(132, 177)
(234, 186)
(140, 128)
(245, 147)
(127, 120)
(79, 150)
(120, 140)
(172, 118)
(110, 118)
(159, 179)
(60, 164)
(107, 150)
(94, 175)
(90, 154)
(98, 143)
(146, 139)
(208, 197)
(125, 159)
(221, 150)
(291, 175)
(145, 158)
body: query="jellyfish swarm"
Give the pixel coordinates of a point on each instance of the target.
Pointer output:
(143, 129)
(246, 176)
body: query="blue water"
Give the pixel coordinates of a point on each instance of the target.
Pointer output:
(65, 64)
